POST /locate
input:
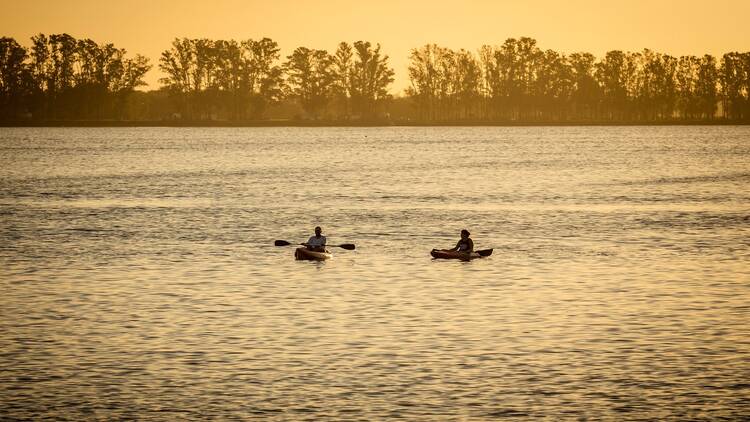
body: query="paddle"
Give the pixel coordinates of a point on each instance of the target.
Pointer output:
(348, 246)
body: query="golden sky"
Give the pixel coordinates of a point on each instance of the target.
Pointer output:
(147, 27)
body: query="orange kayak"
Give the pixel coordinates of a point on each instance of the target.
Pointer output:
(304, 253)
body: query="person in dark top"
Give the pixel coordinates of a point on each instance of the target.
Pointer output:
(465, 245)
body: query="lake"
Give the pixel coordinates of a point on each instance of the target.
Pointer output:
(140, 278)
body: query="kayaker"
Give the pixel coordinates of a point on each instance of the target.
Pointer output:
(465, 245)
(316, 243)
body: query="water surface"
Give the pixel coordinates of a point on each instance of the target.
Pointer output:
(140, 279)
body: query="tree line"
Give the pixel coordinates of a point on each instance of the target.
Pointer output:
(63, 78)
(238, 80)
(518, 81)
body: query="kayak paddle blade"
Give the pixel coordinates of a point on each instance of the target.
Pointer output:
(281, 243)
(349, 246)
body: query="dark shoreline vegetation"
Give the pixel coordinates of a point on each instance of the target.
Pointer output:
(351, 123)
(63, 81)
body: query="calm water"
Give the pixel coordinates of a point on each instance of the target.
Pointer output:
(139, 276)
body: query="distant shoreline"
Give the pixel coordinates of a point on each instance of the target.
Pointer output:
(358, 123)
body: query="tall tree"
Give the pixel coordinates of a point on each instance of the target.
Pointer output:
(310, 78)
(263, 76)
(616, 75)
(585, 95)
(656, 90)
(14, 78)
(426, 80)
(52, 64)
(735, 85)
(178, 64)
(706, 88)
(343, 63)
(686, 81)
(230, 78)
(370, 78)
(467, 83)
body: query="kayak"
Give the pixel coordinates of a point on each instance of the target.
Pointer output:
(304, 253)
(442, 254)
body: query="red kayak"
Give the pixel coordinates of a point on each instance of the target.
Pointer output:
(443, 254)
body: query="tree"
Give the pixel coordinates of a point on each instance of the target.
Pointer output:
(426, 80)
(178, 64)
(686, 81)
(706, 86)
(14, 77)
(263, 77)
(230, 78)
(370, 78)
(656, 91)
(343, 64)
(616, 75)
(585, 95)
(489, 74)
(310, 78)
(468, 75)
(735, 85)
(507, 75)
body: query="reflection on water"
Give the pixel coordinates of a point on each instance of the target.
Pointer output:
(140, 279)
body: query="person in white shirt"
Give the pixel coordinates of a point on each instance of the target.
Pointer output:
(316, 243)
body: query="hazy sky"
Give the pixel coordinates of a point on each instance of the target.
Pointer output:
(148, 26)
